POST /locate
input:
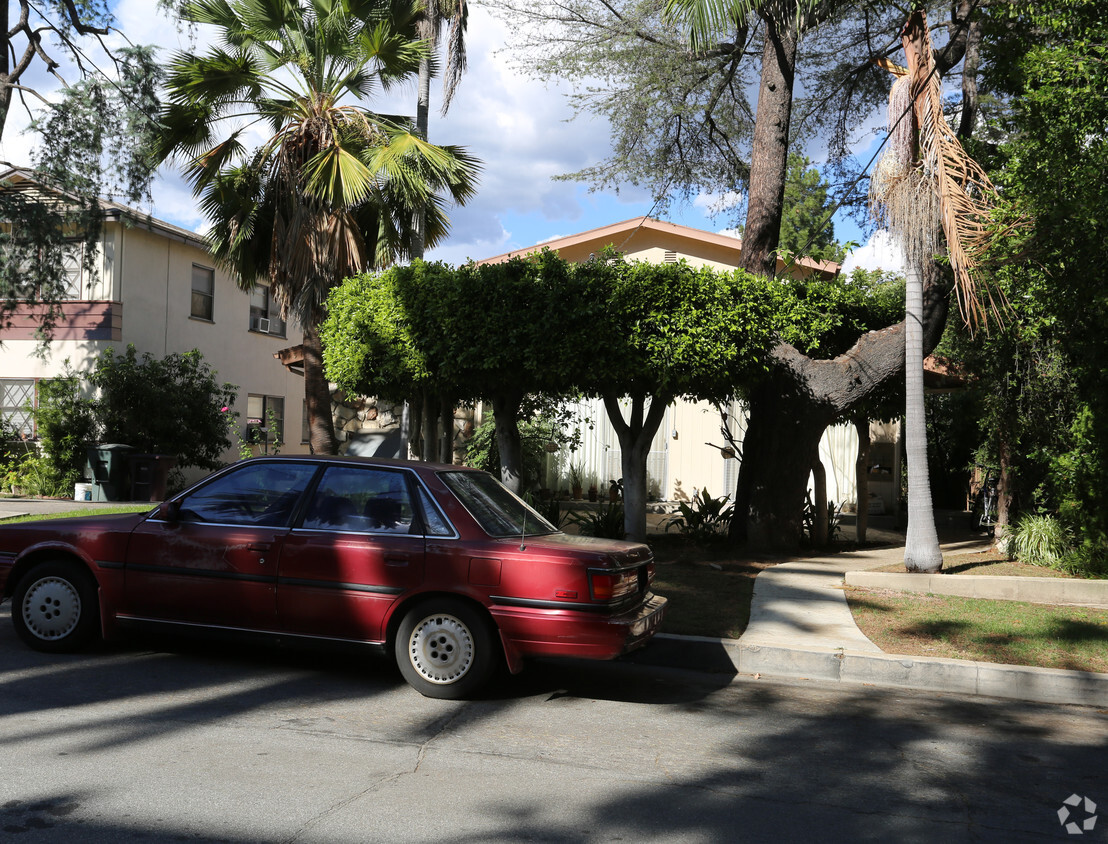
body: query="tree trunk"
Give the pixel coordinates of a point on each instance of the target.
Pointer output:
(505, 409)
(1003, 496)
(861, 479)
(446, 422)
(790, 409)
(819, 503)
(415, 432)
(921, 545)
(430, 412)
(770, 150)
(6, 90)
(423, 109)
(779, 450)
(317, 395)
(635, 436)
(405, 427)
(970, 97)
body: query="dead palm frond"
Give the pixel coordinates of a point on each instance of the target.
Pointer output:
(925, 164)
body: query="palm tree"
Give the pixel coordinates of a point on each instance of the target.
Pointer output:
(303, 185)
(436, 14)
(434, 412)
(926, 186)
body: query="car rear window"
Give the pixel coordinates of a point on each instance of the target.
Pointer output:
(496, 509)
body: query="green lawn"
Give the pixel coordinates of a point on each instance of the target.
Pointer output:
(84, 511)
(1006, 632)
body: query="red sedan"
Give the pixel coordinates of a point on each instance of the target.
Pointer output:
(441, 564)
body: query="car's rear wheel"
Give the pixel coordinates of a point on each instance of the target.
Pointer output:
(54, 607)
(445, 649)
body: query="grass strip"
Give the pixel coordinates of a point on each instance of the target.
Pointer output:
(1005, 632)
(86, 511)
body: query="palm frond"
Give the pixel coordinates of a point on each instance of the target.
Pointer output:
(928, 166)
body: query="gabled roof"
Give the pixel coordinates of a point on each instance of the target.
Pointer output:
(623, 237)
(20, 179)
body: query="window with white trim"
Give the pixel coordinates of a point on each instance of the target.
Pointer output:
(265, 316)
(203, 293)
(18, 399)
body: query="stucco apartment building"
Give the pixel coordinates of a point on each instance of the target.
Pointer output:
(156, 286)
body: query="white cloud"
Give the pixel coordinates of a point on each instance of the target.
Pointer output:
(880, 252)
(717, 203)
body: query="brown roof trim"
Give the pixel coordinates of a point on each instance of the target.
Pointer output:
(616, 232)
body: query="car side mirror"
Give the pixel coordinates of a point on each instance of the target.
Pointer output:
(169, 511)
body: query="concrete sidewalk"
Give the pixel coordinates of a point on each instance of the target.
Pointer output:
(801, 627)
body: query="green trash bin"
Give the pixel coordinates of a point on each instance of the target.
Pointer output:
(109, 469)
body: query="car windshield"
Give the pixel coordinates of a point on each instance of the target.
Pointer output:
(496, 509)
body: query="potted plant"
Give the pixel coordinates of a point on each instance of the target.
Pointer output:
(575, 481)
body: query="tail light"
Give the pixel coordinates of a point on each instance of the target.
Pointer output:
(609, 586)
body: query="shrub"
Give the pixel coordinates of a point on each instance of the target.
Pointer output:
(1041, 541)
(168, 406)
(704, 519)
(605, 521)
(66, 424)
(1090, 559)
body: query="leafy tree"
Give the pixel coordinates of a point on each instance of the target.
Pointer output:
(332, 187)
(1050, 61)
(168, 406)
(659, 146)
(92, 142)
(806, 227)
(494, 332)
(502, 332)
(66, 423)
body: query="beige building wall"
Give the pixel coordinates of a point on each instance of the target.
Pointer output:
(145, 272)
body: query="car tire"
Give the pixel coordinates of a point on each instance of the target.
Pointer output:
(446, 649)
(55, 607)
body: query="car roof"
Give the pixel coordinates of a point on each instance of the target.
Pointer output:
(390, 462)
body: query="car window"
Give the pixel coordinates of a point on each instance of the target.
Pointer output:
(434, 523)
(496, 509)
(363, 499)
(256, 494)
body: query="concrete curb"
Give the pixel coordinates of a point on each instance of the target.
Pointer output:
(1032, 590)
(1014, 682)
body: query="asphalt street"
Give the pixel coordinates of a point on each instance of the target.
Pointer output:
(177, 740)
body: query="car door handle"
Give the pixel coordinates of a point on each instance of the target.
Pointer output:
(257, 546)
(396, 561)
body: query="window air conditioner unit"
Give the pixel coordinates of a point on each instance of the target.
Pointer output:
(263, 325)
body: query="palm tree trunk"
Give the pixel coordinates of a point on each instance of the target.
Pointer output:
(423, 108)
(921, 545)
(317, 395)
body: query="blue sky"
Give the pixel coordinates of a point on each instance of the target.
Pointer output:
(519, 127)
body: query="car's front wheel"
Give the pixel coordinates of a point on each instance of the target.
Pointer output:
(445, 649)
(54, 607)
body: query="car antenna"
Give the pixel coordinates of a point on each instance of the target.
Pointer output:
(523, 533)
